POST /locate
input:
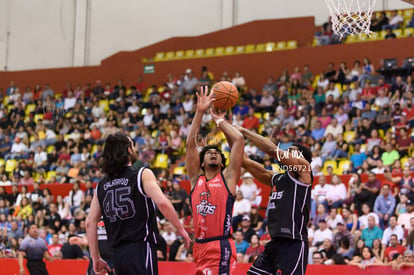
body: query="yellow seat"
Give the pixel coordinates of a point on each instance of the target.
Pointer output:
(50, 174)
(11, 164)
(381, 133)
(50, 149)
(227, 155)
(219, 51)
(383, 33)
(408, 32)
(240, 49)
(398, 32)
(32, 139)
(29, 108)
(339, 87)
(229, 50)
(408, 13)
(276, 168)
(261, 128)
(10, 107)
(161, 161)
(1, 162)
(169, 55)
(179, 171)
(37, 117)
(159, 56)
(258, 115)
(199, 52)
(189, 53)
(250, 48)
(270, 46)
(94, 149)
(292, 44)
(209, 51)
(281, 45)
(66, 137)
(179, 54)
(6, 100)
(261, 47)
(363, 148)
(104, 104)
(349, 136)
(343, 165)
(351, 38)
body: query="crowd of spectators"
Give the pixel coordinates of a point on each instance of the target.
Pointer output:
(341, 114)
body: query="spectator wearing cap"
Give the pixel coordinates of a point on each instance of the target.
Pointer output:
(342, 232)
(384, 205)
(249, 188)
(404, 219)
(393, 229)
(246, 228)
(322, 233)
(371, 233)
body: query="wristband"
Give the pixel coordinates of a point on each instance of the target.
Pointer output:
(218, 121)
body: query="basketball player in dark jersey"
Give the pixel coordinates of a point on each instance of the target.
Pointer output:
(288, 208)
(213, 192)
(126, 199)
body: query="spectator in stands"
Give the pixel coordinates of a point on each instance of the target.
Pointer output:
(241, 208)
(389, 33)
(372, 232)
(395, 21)
(249, 188)
(393, 229)
(404, 143)
(404, 219)
(256, 220)
(390, 155)
(402, 205)
(378, 21)
(322, 233)
(337, 193)
(251, 122)
(368, 191)
(384, 205)
(334, 128)
(319, 195)
(76, 197)
(366, 213)
(393, 248)
(341, 232)
(328, 148)
(254, 249)
(358, 157)
(241, 245)
(318, 132)
(317, 258)
(178, 196)
(378, 250)
(169, 234)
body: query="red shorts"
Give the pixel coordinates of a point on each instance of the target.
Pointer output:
(215, 257)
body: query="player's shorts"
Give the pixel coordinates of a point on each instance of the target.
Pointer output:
(215, 257)
(138, 258)
(282, 256)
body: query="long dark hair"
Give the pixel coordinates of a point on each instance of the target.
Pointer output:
(115, 155)
(204, 151)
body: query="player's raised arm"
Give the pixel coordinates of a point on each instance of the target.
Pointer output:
(204, 100)
(257, 170)
(236, 139)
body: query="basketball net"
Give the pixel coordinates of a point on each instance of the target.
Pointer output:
(350, 16)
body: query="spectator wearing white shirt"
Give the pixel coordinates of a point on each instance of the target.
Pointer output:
(40, 159)
(322, 233)
(332, 90)
(334, 218)
(249, 189)
(341, 116)
(395, 21)
(404, 218)
(319, 195)
(69, 101)
(337, 192)
(169, 234)
(241, 207)
(363, 219)
(393, 228)
(18, 150)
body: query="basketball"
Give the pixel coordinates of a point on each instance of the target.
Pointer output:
(226, 95)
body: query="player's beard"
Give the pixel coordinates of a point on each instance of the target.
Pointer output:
(213, 165)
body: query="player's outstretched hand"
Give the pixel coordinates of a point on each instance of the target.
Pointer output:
(101, 267)
(218, 114)
(187, 239)
(204, 99)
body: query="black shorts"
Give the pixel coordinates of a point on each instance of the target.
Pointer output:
(282, 256)
(136, 258)
(37, 267)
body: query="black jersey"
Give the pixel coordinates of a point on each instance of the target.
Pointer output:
(288, 209)
(128, 213)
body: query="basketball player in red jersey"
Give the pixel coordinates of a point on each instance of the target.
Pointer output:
(213, 189)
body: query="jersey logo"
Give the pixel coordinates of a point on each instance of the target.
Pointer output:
(205, 208)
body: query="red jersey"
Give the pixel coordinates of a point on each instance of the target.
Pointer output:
(212, 206)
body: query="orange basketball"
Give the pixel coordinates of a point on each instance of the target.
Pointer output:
(226, 95)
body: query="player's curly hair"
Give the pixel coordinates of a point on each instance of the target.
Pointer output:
(307, 154)
(115, 155)
(204, 151)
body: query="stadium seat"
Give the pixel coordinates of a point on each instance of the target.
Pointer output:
(339, 87)
(343, 165)
(261, 47)
(104, 104)
(292, 44)
(270, 46)
(349, 136)
(29, 108)
(381, 133)
(219, 51)
(50, 174)
(240, 49)
(199, 53)
(258, 115)
(159, 56)
(227, 155)
(281, 45)
(10, 107)
(398, 32)
(209, 51)
(189, 53)
(94, 149)
(408, 32)
(169, 55)
(37, 117)
(161, 161)
(351, 39)
(408, 13)
(6, 100)
(1, 162)
(179, 54)
(260, 129)
(403, 161)
(250, 48)
(11, 164)
(229, 50)
(50, 149)
(179, 171)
